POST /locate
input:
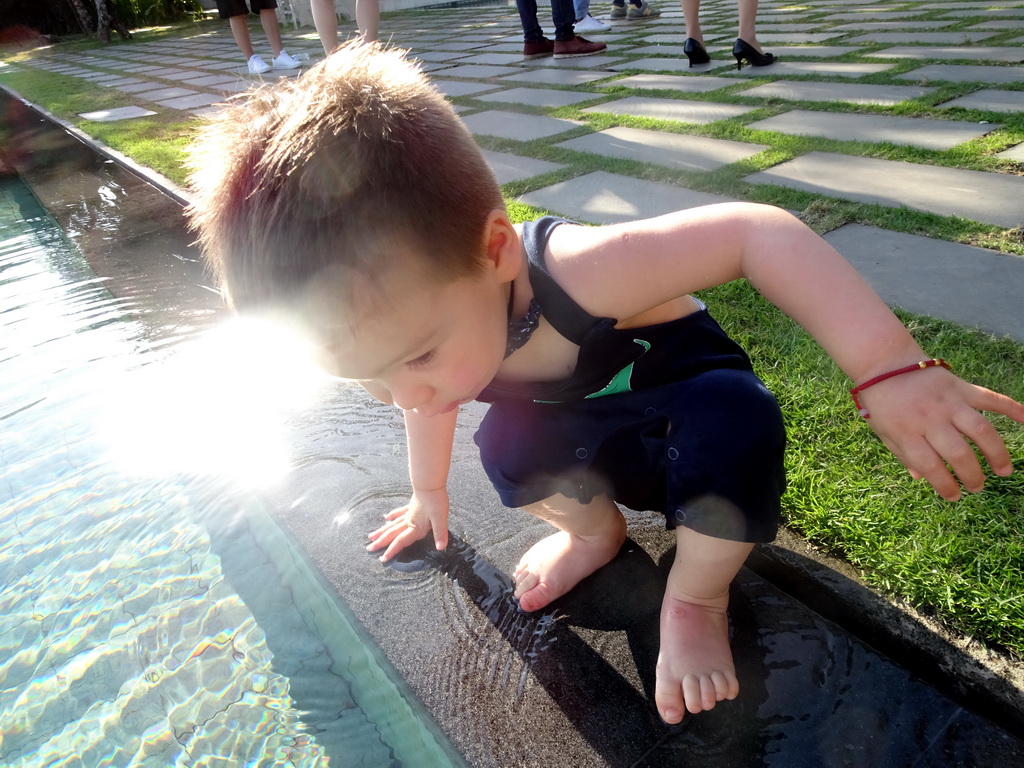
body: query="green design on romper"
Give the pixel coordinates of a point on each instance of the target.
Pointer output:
(620, 382)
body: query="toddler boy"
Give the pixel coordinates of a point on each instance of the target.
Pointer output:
(357, 199)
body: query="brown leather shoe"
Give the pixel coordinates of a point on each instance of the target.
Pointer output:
(578, 46)
(536, 49)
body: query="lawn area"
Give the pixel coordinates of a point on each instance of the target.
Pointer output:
(962, 562)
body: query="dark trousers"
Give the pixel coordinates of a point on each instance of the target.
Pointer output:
(562, 14)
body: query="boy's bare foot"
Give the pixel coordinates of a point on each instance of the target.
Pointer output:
(695, 666)
(556, 564)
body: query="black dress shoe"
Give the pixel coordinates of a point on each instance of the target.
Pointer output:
(695, 52)
(744, 50)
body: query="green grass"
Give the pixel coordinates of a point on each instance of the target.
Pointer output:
(962, 562)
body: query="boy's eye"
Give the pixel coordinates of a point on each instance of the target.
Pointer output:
(422, 360)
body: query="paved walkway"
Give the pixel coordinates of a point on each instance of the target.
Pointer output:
(883, 58)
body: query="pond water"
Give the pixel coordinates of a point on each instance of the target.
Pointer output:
(152, 612)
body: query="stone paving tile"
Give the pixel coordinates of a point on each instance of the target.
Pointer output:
(607, 198)
(1013, 153)
(118, 113)
(205, 80)
(165, 93)
(579, 62)
(672, 109)
(822, 68)
(975, 287)
(670, 65)
(501, 59)
(959, 73)
(672, 82)
(478, 71)
(885, 26)
(990, 99)
(512, 125)
(854, 93)
(767, 38)
(817, 51)
(509, 168)
(190, 102)
(988, 53)
(557, 77)
(456, 88)
(958, 36)
(671, 150)
(541, 97)
(912, 131)
(990, 198)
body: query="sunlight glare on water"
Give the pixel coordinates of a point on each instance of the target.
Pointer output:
(218, 406)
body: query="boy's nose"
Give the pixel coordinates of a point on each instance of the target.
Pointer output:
(412, 396)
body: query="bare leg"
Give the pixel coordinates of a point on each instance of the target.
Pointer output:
(590, 536)
(695, 666)
(325, 19)
(268, 18)
(368, 18)
(691, 13)
(240, 31)
(748, 22)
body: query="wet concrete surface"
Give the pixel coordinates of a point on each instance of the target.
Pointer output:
(571, 685)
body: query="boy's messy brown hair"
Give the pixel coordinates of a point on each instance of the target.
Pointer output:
(353, 166)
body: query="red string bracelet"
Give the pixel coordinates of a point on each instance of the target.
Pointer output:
(938, 361)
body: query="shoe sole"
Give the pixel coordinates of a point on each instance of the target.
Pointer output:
(576, 55)
(537, 55)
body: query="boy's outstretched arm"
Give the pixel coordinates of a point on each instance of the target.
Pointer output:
(923, 417)
(430, 441)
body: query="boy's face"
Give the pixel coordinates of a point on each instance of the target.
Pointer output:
(421, 344)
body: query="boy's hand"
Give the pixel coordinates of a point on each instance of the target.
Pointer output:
(426, 511)
(924, 419)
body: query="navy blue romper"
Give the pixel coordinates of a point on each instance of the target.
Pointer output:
(669, 417)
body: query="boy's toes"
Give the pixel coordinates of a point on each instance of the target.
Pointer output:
(670, 703)
(533, 595)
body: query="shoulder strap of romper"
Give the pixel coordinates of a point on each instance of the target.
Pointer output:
(564, 314)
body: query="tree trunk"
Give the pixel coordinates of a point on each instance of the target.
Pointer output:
(116, 22)
(82, 15)
(102, 21)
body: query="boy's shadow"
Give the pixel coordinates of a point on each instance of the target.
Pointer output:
(619, 721)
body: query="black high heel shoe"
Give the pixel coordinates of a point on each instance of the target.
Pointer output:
(744, 50)
(695, 52)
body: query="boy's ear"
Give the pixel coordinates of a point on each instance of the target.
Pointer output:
(501, 243)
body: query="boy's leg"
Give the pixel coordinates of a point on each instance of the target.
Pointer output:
(590, 536)
(695, 666)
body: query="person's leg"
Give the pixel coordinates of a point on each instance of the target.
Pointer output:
(368, 19)
(589, 536)
(562, 16)
(528, 18)
(582, 8)
(748, 22)
(268, 18)
(240, 31)
(691, 15)
(695, 665)
(325, 19)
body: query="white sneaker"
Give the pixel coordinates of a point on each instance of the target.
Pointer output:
(589, 24)
(257, 66)
(284, 61)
